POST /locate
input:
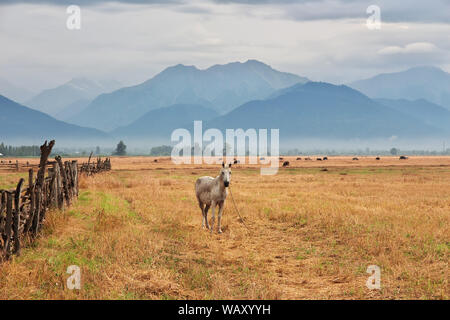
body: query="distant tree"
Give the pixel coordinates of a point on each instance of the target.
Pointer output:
(394, 151)
(227, 150)
(121, 149)
(22, 151)
(161, 151)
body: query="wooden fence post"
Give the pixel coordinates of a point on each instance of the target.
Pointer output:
(45, 152)
(64, 179)
(89, 164)
(37, 210)
(68, 169)
(32, 201)
(8, 223)
(16, 223)
(75, 174)
(59, 187)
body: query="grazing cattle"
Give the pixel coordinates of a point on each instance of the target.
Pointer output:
(156, 160)
(355, 159)
(285, 164)
(236, 161)
(403, 157)
(281, 158)
(325, 158)
(212, 192)
(377, 158)
(299, 158)
(319, 159)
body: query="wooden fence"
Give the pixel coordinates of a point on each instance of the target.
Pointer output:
(15, 165)
(22, 211)
(96, 166)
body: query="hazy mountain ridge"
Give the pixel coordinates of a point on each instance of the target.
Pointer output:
(221, 87)
(421, 109)
(20, 123)
(323, 110)
(159, 123)
(430, 83)
(316, 110)
(64, 100)
(14, 92)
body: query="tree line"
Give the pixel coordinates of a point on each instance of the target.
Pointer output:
(22, 151)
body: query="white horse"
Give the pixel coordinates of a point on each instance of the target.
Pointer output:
(212, 192)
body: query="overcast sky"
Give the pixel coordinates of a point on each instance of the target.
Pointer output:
(131, 41)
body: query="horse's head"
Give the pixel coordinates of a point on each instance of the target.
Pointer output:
(225, 174)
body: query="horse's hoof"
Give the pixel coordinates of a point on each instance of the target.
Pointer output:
(220, 231)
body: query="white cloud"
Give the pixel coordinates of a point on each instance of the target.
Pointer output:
(132, 42)
(416, 47)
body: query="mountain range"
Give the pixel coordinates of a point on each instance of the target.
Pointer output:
(430, 83)
(160, 123)
(21, 124)
(323, 110)
(421, 109)
(237, 95)
(220, 87)
(71, 97)
(14, 92)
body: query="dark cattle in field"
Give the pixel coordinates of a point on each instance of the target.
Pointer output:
(285, 164)
(156, 160)
(281, 158)
(299, 158)
(377, 158)
(325, 158)
(236, 161)
(403, 157)
(319, 159)
(355, 158)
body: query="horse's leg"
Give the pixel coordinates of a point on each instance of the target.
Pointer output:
(213, 206)
(219, 229)
(206, 216)
(203, 213)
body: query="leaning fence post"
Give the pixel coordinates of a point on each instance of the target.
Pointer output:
(45, 152)
(16, 223)
(68, 168)
(75, 175)
(64, 179)
(36, 218)
(8, 223)
(59, 188)
(29, 218)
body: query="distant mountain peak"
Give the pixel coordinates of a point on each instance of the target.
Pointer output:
(221, 87)
(428, 82)
(426, 68)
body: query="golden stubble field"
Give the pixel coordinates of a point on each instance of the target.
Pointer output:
(136, 233)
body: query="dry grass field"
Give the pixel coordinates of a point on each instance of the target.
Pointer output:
(136, 233)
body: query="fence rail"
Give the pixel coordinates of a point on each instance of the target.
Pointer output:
(23, 210)
(16, 165)
(95, 167)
